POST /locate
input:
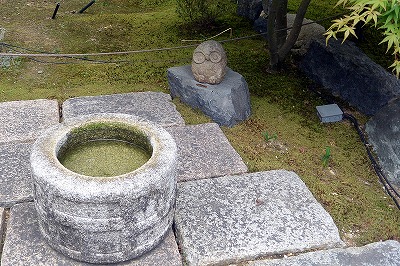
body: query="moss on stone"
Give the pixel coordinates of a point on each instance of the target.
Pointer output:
(105, 149)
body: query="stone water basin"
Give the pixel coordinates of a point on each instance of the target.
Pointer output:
(111, 217)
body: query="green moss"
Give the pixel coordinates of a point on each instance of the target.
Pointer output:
(104, 158)
(281, 102)
(106, 130)
(104, 149)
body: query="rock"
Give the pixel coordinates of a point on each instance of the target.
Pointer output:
(227, 103)
(15, 173)
(209, 62)
(205, 152)
(25, 245)
(376, 254)
(383, 131)
(25, 120)
(346, 72)
(311, 31)
(308, 33)
(250, 9)
(232, 219)
(154, 106)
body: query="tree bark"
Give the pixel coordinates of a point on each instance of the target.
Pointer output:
(295, 31)
(279, 44)
(281, 22)
(271, 32)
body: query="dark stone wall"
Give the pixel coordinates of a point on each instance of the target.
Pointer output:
(345, 71)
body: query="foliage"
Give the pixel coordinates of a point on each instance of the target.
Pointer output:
(269, 137)
(326, 157)
(383, 14)
(201, 12)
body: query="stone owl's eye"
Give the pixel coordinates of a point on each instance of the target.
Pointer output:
(215, 57)
(199, 57)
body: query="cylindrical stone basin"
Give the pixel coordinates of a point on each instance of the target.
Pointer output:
(100, 219)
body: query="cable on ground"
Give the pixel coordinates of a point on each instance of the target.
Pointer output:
(378, 170)
(46, 54)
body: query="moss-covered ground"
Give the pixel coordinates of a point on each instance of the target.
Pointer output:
(282, 103)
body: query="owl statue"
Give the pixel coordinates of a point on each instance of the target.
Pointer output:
(209, 62)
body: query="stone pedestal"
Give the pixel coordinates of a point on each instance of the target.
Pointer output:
(227, 103)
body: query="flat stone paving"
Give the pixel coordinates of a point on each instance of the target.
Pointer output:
(154, 106)
(204, 152)
(236, 218)
(218, 219)
(15, 173)
(2, 220)
(25, 245)
(25, 120)
(376, 254)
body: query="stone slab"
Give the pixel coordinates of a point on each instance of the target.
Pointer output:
(204, 152)
(154, 106)
(227, 103)
(15, 173)
(25, 120)
(237, 218)
(2, 220)
(376, 254)
(383, 131)
(25, 246)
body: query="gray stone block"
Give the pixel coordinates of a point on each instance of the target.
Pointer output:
(15, 173)
(25, 246)
(376, 254)
(384, 133)
(204, 152)
(25, 120)
(236, 218)
(2, 221)
(227, 103)
(346, 72)
(154, 106)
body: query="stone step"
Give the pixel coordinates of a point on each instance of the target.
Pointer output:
(232, 219)
(25, 246)
(25, 120)
(376, 254)
(154, 106)
(15, 173)
(205, 152)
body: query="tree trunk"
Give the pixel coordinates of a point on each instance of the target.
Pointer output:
(281, 22)
(271, 32)
(295, 31)
(279, 44)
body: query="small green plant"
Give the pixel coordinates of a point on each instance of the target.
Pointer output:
(269, 137)
(326, 157)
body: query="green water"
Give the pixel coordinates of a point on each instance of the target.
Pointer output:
(104, 158)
